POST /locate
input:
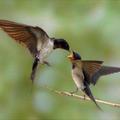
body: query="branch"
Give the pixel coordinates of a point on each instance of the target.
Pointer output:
(64, 93)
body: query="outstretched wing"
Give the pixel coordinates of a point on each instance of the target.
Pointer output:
(90, 68)
(105, 70)
(23, 34)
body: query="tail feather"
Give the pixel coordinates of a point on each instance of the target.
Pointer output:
(34, 68)
(89, 94)
(105, 70)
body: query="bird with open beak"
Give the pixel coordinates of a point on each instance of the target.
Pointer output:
(35, 39)
(86, 72)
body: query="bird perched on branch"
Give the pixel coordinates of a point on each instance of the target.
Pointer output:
(35, 39)
(86, 72)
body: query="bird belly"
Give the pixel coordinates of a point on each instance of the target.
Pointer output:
(46, 50)
(78, 79)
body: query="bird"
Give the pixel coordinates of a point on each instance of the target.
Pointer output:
(35, 39)
(87, 72)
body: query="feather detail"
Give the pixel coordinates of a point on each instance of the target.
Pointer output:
(88, 92)
(90, 68)
(23, 34)
(105, 70)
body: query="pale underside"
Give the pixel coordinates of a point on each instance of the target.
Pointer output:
(45, 50)
(78, 77)
(44, 45)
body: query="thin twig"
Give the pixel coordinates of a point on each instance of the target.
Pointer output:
(64, 93)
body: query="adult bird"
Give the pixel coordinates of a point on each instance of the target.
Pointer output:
(35, 39)
(86, 72)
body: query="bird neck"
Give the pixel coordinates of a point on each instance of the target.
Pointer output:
(57, 44)
(77, 63)
(60, 43)
(73, 65)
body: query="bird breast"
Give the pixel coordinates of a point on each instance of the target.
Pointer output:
(78, 77)
(46, 50)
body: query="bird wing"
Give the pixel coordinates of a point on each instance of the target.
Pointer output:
(105, 70)
(90, 68)
(23, 34)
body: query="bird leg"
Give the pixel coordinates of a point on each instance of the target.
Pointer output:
(47, 63)
(75, 91)
(34, 67)
(84, 97)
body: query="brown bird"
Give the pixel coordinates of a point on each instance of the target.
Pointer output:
(35, 39)
(86, 72)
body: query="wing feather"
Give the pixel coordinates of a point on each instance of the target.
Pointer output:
(90, 68)
(23, 34)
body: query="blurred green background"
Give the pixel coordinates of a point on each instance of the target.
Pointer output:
(92, 27)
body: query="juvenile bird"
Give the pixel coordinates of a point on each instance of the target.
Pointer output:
(86, 72)
(35, 39)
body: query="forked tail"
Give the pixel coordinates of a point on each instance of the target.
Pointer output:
(89, 94)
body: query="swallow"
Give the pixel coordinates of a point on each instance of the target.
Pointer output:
(35, 39)
(86, 72)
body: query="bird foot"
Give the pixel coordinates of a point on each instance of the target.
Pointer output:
(47, 63)
(84, 97)
(75, 91)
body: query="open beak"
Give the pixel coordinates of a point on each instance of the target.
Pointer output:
(71, 56)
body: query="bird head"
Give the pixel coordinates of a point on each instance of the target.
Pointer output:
(61, 43)
(74, 56)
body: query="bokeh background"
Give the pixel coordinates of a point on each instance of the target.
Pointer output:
(92, 27)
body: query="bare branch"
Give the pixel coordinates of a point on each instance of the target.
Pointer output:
(64, 93)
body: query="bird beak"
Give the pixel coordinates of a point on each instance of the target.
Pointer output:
(71, 56)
